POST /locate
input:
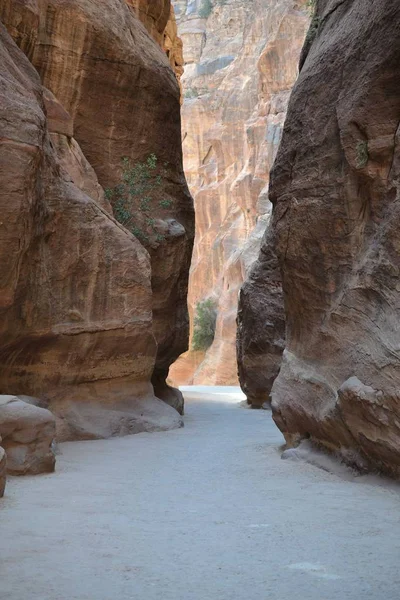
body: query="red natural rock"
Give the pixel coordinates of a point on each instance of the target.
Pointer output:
(240, 65)
(76, 325)
(124, 101)
(335, 188)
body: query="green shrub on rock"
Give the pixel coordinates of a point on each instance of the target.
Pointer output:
(205, 9)
(135, 199)
(204, 324)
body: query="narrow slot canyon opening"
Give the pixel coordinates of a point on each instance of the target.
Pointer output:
(199, 207)
(240, 63)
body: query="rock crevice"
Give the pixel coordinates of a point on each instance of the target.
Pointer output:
(240, 65)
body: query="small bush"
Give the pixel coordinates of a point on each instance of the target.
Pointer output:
(166, 203)
(204, 324)
(362, 155)
(311, 5)
(133, 199)
(191, 93)
(205, 9)
(313, 29)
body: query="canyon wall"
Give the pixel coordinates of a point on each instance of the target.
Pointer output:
(335, 188)
(89, 314)
(240, 64)
(158, 17)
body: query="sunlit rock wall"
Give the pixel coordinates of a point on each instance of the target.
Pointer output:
(240, 64)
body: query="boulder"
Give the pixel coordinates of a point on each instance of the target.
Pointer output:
(27, 434)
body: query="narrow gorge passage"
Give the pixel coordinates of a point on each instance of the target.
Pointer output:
(206, 512)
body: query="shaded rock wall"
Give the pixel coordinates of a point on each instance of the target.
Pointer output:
(240, 65)
(260, 337)
(336, 194)
(158, 17)
(76, 322)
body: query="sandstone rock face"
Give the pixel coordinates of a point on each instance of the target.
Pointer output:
(26, 433)
(159, 19)
(124, 101)
(261, 326)
(240, 65)
(335, 188)
(70, 156)
(154, 15)
(76, 327)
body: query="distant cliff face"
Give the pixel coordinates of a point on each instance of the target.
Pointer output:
(240, 64)
(336, 193)
(158, 16)
(90, 314)
(154, 14)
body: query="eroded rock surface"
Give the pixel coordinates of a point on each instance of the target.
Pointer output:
(76, 327)
(240, 65)
(158, 16)
(154, 15)
(260, 338)
(124, 101)
(26, 433)
(335, 188)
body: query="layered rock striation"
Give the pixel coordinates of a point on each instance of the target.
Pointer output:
(240, 64)
(336, 195)
(89, 314)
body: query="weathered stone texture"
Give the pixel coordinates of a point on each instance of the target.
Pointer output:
(76, 325)
(336, 194)
(240, 65)
(261, 326)
(154, 14)
(26, 434)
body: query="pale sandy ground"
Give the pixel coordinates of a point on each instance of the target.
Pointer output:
(208, 512)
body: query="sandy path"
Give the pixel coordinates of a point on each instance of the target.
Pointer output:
(208, 512)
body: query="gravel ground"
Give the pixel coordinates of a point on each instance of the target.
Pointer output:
(207, 512)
